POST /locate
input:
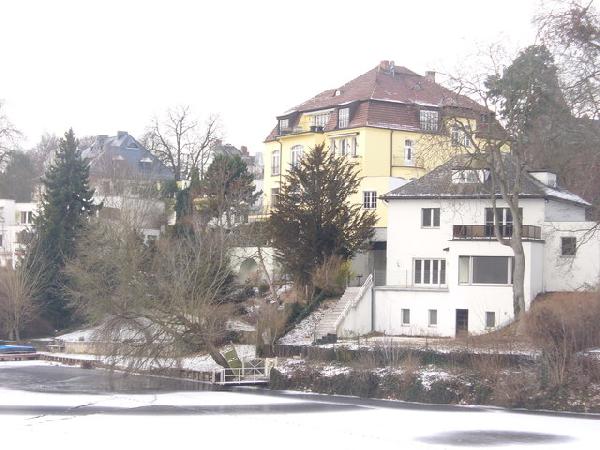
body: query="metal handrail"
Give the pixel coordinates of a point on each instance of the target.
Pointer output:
(241, 374)
(352, 304)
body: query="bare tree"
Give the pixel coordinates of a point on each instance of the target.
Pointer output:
(181, 142)
(9, 136)
(155, 302)
(19, 288)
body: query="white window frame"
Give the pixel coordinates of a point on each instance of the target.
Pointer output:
(284, 124)
(421, 280)
(409, 152)
(429, 321)
(470, 282)
(487, 326)
(429, 120)
(343, 117)
(459, 138)
(275, 162)
(370, 199)
(320, 120)
(431, 213)
(296, 155)
(405, 314)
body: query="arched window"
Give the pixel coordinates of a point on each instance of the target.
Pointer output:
(297, 151)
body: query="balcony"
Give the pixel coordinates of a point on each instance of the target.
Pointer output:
(476, 232)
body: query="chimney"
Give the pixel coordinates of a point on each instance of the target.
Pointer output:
(121, 134)
(244, 150)
(384, 66)
(430, 76)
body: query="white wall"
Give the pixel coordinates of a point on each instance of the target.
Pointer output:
(241, 254)
(359, 319)
(569, 273)
(557, 211)
(11, 226)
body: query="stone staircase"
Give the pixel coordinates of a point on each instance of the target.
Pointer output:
(325, 332)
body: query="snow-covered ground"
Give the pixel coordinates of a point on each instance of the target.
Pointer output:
(225, 420)
(303, 333)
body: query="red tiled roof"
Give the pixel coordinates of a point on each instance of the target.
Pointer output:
(385, 98)
(381, 83)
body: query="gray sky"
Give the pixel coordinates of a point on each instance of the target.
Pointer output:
(103, 66)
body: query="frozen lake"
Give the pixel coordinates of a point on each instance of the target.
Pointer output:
(47, 406)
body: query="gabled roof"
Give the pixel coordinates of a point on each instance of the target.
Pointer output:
(124, 147)
(438, 184)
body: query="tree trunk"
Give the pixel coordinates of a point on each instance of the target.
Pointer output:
(215, 354)
(263, 266)
(518, 279)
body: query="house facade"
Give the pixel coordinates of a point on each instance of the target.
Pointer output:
(16, 219)
(387, 122)
(126, 178)
(447, 274)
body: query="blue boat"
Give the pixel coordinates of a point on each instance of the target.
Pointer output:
(7, 349)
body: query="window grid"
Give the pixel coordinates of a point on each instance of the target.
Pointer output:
(431, 272)
(432, 317)
(275, 162)
(297, 151)
(344, 117)
(490, 319)
(405, 316)
(429, 120)
(370, 199)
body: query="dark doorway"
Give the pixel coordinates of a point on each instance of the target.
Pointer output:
(462, 322)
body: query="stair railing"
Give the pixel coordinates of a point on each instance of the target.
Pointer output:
(368, 284)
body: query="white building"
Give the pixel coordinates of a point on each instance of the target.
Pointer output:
(16, 219)
(447, 273)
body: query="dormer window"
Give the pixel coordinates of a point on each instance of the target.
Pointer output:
(429, 120)
(343, 117)
(469, 176)
(284, 124)
(320, 120)
(337, 93)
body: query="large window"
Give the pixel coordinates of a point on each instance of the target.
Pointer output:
(320, 120)
(568, 246)
(408, 152)
(459, 137)
(26, 217)
(430, 217)
(429, 120)
(275, 162)
(345, 146)
(297, 151)
(485, 270)
(429, 272)
(369, 199)
(505, 221)
(344, 117)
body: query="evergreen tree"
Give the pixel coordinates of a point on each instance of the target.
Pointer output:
(18, 178)
(229, 189)
(66, 202)
(313, 217)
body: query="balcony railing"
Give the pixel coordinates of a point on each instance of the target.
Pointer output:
(487, 231)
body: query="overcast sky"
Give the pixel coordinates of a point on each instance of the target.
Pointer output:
(103, 66)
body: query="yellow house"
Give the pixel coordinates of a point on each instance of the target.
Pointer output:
(390, 122)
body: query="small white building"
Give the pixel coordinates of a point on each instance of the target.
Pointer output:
(446, 272)
(16, 220)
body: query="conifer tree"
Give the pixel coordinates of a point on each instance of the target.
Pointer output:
(313, 217)
(66, 202)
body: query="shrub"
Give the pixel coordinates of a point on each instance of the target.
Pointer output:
(561, 325)
(332, 276)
